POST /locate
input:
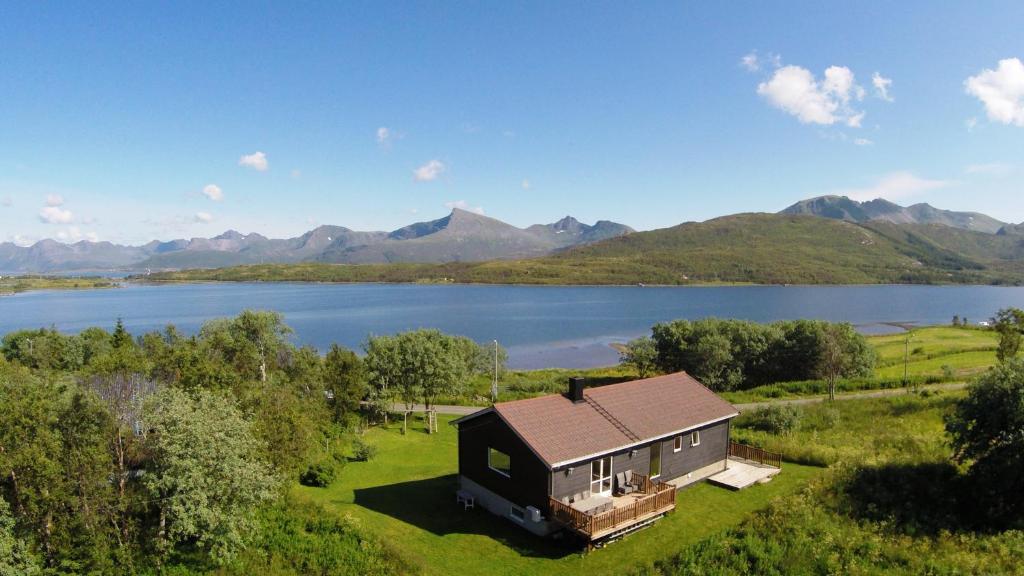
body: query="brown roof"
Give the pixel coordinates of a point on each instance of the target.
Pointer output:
(612, 417)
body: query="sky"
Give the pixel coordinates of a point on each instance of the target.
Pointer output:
(139, 121)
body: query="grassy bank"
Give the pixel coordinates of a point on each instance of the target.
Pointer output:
(16, 284)
(877, 508)
(888, 504)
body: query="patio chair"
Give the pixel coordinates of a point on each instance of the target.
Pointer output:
(632, 480)
(624, 487)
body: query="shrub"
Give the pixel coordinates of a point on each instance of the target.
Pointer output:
(319, 475)
(775, 419)
(362, 451)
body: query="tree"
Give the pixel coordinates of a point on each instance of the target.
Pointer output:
(118, 379)
(205, 475)
(250, 342)
(422, 364)
(16, 558)
(641, 354)
(1009, 324)
(345, 381)
(842, 353)
(987, 429)
(121, 338)
(30, 449)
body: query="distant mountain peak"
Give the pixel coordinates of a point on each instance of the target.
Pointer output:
(844, 208)
(461, 235)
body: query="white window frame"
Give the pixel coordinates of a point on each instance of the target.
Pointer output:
(605, 475)
(502, 472)
(695, 438)
(677, 443)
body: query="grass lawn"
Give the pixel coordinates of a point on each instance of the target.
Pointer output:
(406, 496)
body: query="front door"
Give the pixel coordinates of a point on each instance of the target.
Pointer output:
(601, 476)
(655, 460)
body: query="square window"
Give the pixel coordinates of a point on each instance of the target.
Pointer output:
(499, 462)
(677, 444)
(695, 438)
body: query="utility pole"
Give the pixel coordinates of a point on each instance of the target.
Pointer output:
(494, 384)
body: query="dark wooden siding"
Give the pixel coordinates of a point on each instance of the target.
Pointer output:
(527, 485)
(714, 446)
(565, 484)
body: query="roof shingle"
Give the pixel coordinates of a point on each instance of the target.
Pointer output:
(612, 417)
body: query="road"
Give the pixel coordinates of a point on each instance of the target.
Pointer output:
(464, 410)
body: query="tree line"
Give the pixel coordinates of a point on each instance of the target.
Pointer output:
(738, 354)
(125, 454)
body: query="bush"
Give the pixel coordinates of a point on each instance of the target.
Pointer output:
(824, 418)
(775, 419)
(362, 451)
(319, 475)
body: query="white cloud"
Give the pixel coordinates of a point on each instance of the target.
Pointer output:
(971, 123)
(796, 91)
(257, 161)
(54, 200)
(203, 217)
(881, 85)
(23, 241)
(429, 171)
(383, 135)
(525, 185)
(895, 186)
(990, 169)
(751, 62)
(1001, 91)
(213, 192)
(463, 205)
(74, 234)
(863, 142)
(6, 201)
(55, 215)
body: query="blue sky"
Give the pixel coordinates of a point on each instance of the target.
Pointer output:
(115, 119)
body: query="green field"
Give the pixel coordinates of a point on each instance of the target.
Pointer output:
(846, 518)
(406, 497)
(966, 351)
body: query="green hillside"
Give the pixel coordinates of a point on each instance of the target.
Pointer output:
(743, 248)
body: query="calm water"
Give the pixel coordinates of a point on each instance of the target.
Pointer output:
(567, 327)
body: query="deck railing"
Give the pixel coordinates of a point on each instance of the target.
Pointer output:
(755, 454)
(657, 497)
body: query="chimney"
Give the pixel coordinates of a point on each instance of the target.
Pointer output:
(576, 389)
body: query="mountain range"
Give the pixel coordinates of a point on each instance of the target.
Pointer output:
(460, 236)
(843, 208)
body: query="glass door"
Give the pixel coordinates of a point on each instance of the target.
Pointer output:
(655, 460)
(601, 476)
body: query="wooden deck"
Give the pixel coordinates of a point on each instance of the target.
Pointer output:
(654, 499)
(747, 466)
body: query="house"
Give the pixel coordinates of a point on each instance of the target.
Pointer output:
(598, 461)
